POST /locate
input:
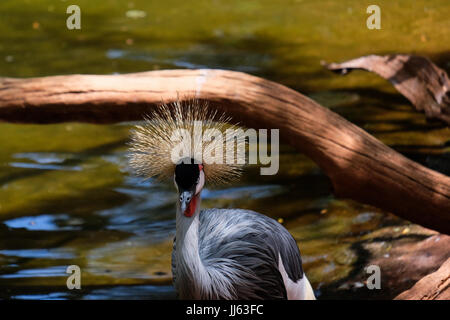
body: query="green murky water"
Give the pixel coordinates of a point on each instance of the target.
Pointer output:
(67, 196)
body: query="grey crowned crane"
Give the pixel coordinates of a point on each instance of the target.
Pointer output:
(217, 253)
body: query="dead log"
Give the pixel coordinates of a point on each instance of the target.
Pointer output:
(405, 254)
(360, 166)
(435, 286)
(424, 84)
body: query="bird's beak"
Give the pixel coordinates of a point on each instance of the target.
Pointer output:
(186, 203)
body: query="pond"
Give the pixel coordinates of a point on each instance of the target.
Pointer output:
(67, 196)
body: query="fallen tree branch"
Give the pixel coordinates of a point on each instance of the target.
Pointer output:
(425, 85)
(404, 254)
(360, 166)
(435, 286)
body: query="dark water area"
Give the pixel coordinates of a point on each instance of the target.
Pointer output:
(68, 197)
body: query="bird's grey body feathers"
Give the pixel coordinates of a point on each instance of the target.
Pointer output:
(240, 252)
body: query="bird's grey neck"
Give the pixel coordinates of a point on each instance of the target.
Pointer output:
(190, 268)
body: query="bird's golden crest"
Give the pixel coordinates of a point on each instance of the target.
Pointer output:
(152, 143)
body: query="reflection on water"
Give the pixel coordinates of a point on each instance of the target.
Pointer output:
(132, 293)
(39, 253)
(66, 193)
(56, 271)
(117, 292)
(42, 222)
(42, 161)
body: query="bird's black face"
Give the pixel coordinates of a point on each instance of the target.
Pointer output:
(187, 175)
(189, 179)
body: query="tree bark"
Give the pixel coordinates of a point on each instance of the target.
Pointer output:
(424, 84)
(360, 166)
(405, 254)
(435, 286)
